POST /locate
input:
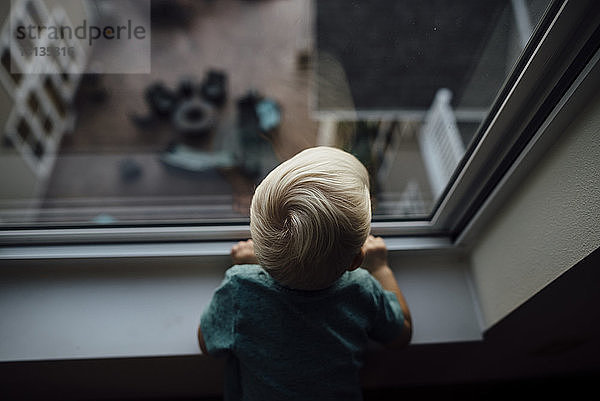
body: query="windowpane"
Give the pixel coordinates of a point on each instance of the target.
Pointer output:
(235, 88)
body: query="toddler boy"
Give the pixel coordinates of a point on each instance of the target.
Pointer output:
(295, 314)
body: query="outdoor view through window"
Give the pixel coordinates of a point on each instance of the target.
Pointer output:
(132, 112)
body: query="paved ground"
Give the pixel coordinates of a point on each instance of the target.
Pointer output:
(255, 43)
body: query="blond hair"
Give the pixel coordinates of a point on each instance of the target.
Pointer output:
(310, 216)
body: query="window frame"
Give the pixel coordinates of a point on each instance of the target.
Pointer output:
(554, 71)
(559, 59)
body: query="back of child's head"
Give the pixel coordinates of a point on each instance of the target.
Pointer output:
(310, 216)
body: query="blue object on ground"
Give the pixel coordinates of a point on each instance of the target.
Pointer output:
(187, 158)
(269, 114)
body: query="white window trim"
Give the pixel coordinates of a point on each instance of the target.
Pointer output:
(179, 249)
(532, 85)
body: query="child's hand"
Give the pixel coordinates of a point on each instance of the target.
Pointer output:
(375, 254)
(243, 252)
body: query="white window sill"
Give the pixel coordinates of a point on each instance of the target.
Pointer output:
(83, 306)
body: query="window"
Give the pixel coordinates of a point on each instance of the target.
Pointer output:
(437, 99)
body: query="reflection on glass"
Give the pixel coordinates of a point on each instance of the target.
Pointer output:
(235, 88)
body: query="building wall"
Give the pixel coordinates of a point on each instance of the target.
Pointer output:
(550, 223)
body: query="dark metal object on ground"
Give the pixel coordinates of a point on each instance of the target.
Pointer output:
(214, 87)
(194, 117)
(186, 88)
(162, 100)
(247, 117)
(257, 114)
(130, 170)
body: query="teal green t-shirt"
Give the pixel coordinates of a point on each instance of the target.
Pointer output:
(286, 344)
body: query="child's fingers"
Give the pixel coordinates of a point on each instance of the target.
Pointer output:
(241, 246)
(241, 243)
(374, 244)
(235, 249)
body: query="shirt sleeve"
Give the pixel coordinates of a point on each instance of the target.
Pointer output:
(389, 319)
(218, 319)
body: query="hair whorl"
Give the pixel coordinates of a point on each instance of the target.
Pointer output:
(310, 216)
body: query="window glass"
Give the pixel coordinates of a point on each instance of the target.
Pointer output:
(183, 131)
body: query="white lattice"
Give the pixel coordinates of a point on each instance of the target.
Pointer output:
(440, 142)
(42, 94)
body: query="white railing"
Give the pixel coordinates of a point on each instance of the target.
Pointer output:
(440, 142)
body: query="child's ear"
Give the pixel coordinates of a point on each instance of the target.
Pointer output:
(357, 261)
